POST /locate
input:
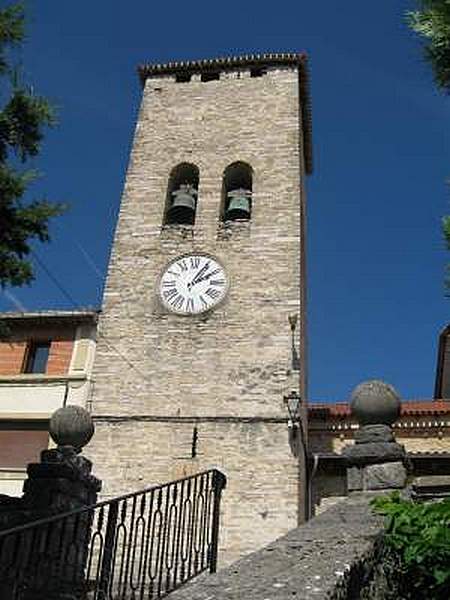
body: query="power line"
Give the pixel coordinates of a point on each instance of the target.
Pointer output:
(76, 304)
(50, 275)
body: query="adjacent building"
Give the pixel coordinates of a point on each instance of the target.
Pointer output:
(46, 362)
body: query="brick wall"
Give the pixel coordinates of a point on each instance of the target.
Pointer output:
(12, 356)
(229, 366)
(60, 355)
(13, 351)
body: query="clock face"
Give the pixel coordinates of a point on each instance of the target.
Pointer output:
(193, 284)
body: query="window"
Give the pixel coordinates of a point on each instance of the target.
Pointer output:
(181, 200)
(237, 192)
(18, 447)
(37, 357)
(182, 77)
(210, 76)
(258, 71)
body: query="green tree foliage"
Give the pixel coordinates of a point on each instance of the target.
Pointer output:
(418, 534)
(23, 119)
(432, 22)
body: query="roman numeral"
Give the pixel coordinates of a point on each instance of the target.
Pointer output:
(190, 305)
(183, 266)
(168, 284)
(214, 272)
(212, 293)
(195, 262)
(173, 273)
(218, 282)
(177, 302)
(203, 301)
(168, 294)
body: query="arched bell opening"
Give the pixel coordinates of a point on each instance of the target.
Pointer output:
(237, 187)
(182, 192)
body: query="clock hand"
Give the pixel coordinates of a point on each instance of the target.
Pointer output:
(204, 278)
(198, 276)
(208, 275)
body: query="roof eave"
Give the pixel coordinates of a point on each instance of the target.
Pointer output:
(66, 315)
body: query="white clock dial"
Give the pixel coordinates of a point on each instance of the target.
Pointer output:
(192, 284)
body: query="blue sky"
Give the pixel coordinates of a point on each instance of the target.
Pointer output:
(381, 136)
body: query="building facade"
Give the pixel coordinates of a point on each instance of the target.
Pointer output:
(46, 361)
(203, 327)
(423, 428)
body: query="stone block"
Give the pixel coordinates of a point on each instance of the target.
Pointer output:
(390, 475)
(374, 433)
(431, 486)
(354, 479)
(374, 453)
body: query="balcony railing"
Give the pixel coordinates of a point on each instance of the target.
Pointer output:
(140, 545)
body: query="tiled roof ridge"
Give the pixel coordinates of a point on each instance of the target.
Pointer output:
(408, 407)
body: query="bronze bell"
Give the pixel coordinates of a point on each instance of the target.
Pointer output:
(238, 205)
(182, 211)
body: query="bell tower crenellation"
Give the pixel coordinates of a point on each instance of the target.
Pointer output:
(206, 268)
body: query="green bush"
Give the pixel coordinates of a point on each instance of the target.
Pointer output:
(419, 535)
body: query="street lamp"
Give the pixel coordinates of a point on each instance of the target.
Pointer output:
(295, 360)
(299, 449)
(293, 404)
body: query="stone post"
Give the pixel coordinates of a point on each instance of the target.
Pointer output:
(62, 481)
(54, 555)
(375, 461)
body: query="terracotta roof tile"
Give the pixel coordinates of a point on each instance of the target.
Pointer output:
(409, 408)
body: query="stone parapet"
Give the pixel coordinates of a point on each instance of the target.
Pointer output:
(321, 560)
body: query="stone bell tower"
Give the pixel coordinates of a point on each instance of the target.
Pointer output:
(206, 275)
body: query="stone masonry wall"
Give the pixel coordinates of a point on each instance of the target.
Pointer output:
(262, 478)
(156, 374)
(329, 558)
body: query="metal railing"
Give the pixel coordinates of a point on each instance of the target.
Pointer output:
(136, 546)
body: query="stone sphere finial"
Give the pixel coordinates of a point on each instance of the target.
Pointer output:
(375, 403)
(71, 426)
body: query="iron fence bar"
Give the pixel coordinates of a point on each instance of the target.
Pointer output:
(204, 520)
(178, 536)
(219, 482)
(130, 546)
(135, 581)
(123, 531)
(147, 543)
(163, 549)
(173, 519)
(192, 527)
(108, 550)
